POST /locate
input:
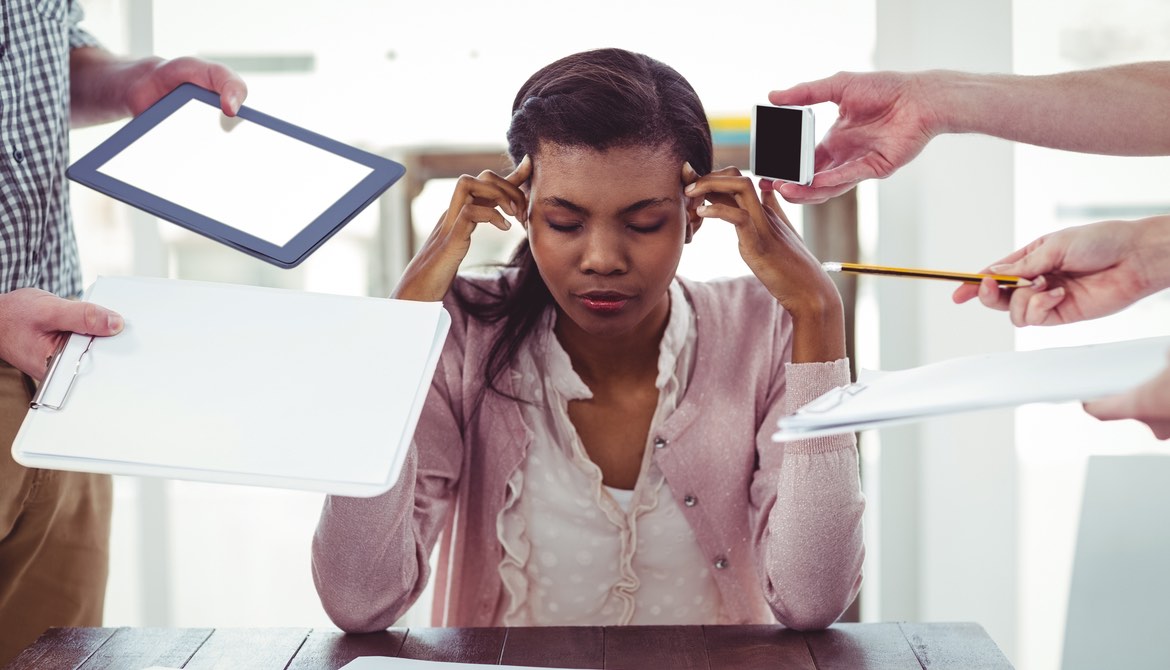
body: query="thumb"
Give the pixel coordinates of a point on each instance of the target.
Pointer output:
(1043, 259)
(85, 318)
(1113, 407)
(828, 89)
(522, 172)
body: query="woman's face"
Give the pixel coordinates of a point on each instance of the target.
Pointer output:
(607, 231)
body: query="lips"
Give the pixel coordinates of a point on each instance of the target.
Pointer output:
(604, 301)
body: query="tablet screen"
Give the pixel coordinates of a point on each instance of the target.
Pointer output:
(253, 182)
(240, 173)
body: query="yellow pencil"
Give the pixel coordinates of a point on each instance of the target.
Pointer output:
(1008, 281)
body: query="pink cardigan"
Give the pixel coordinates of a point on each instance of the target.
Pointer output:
(780, 523)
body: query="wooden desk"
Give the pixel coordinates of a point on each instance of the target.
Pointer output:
(888, 646)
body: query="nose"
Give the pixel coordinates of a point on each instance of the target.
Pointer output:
(604, 253)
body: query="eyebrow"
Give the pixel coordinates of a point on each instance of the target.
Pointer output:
(630, 209)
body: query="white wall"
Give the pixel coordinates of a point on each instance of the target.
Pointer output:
(947, 487)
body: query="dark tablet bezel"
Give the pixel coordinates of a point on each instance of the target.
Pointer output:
(385, 172)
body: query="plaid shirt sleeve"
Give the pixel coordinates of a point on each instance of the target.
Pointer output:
(77, 36)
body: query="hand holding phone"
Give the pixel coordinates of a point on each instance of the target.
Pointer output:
(782, 143)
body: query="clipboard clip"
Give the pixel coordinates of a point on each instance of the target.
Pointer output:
(38, 400)
(833, 398)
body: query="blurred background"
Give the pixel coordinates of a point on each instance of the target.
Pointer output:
(970, 518)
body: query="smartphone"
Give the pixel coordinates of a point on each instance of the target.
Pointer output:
(782, 143)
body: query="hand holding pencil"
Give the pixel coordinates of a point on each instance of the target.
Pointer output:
(1080, 273)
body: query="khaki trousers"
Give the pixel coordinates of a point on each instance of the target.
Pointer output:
(54, 536)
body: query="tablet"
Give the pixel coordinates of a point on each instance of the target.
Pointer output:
(253, 182)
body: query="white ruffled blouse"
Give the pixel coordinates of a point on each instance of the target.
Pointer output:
(577, 552)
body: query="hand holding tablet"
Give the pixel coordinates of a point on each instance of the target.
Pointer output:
(253, 182)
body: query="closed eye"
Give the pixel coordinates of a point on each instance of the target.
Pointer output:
(564, 227)
(647, 228)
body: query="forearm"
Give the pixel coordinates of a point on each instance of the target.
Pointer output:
(369, 562)
(809, 509)
(818, 333)
(1117, 110)
(99, 82)
(1153, 253)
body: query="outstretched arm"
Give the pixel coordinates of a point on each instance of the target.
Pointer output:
(886, 118)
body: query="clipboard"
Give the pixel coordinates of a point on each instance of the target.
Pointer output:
(254, 182)
(240, 385)
(971, 383)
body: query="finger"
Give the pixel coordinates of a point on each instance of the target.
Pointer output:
(83, 317)
(827, 183)
(712, 188)
(965, 292)
(992, 296)
(475, 214)
(521, 173)
(732, 214)
(828, 89)
(849, 173)
(798, 194)
(1019, 300)
(231, 87)
(1146, 403)
(1041, 307)
(514, 201)
(212, 76)
(517, 178)
(1130, 406)
(488, 189)
(728, 187)
(772, 204)
(689, 176)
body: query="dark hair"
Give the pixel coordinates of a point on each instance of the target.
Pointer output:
(601, 99)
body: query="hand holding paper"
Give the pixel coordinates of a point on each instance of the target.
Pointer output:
(979, 382)
(239, 384)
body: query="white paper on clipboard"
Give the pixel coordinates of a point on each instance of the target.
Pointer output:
(239, 384)
(971, 383)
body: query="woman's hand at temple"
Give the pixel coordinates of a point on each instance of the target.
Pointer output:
(777, 256)
(476, 200)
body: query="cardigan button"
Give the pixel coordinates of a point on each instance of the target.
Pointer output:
(690, 501)
(720, 563)
(659, 443)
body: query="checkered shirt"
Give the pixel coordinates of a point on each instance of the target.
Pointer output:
(37, 246)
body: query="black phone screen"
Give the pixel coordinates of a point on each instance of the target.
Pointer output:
(778, 136)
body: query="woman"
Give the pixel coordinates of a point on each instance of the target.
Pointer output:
(595, 448)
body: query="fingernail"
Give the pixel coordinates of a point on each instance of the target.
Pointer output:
(1056, 294)
(114, 322)
(234, 103)
(701, 210)
(766, 185)
(999, 268)
(1040, 283)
